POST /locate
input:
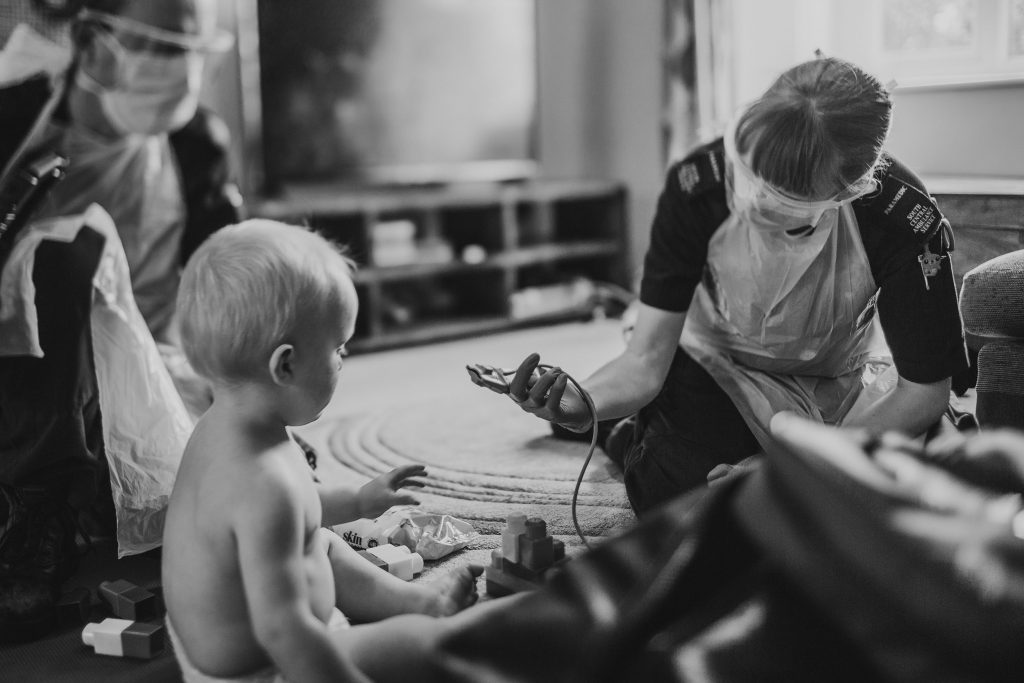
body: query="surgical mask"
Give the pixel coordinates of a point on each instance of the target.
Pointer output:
(154, 93)
(767, 208)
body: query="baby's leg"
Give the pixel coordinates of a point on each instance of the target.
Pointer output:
(365, 593)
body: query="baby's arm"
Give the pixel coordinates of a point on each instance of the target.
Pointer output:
(270, 539)
(344, 504)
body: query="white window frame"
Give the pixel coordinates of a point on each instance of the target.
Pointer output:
(987, 61)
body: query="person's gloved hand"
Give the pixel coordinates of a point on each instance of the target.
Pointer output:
(378, 495)
(550, 395)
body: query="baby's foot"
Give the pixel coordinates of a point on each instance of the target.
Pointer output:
(453, 592)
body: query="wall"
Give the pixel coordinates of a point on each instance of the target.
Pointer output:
(973, 131)
(600, 97)
(937, 130)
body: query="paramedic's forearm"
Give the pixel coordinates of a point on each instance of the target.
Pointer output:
(632, 380)
(910, 408)
(622, 387)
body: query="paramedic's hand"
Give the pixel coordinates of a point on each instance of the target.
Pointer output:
(378, 495)
(550, 396)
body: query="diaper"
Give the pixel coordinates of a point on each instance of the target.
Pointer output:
(190, 674)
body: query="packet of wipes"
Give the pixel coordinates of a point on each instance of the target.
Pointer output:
(431, 535)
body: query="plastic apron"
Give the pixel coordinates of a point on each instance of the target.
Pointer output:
(787, 323)
(136, 180)
(145, 423)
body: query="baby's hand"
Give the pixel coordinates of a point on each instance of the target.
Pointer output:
(381, 493)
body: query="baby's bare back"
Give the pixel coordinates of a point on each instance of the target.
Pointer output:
(202, 576)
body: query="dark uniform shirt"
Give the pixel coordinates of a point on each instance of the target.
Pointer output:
(921, 322)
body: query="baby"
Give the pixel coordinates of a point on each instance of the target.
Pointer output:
(255, 587)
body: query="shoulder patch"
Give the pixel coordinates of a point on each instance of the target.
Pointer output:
(910, 207)
(702, 172)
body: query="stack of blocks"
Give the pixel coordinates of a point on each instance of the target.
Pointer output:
(395, 559)
(135, 631)
(527, 553)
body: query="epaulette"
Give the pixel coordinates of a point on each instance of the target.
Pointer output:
(702, 172)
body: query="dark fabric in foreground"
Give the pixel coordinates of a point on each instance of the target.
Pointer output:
(815, 566)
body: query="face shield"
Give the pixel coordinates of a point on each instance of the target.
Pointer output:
(768, 208)
(136, 36)
(157, 73)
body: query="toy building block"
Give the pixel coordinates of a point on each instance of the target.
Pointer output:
(516, 525)
(125, 638)
(536, 548)
(128, 601)
(399, 560)
(535, 551)
(499, 581)
(370, 557)
(74, 606)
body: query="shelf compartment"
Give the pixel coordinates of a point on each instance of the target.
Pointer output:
(540, 273)
(346, 230)
(467, 226)
(442, 297)
(587, 218)
(544, 253)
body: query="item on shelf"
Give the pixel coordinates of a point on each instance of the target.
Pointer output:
(434, 250)
(392, 243)
(565, 297)
(473, 254)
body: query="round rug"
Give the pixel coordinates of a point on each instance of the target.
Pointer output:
(485, 460)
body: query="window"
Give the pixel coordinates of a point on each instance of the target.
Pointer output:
(1017, 28)
(933, 42)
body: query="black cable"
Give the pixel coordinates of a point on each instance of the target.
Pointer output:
(586, 461)
(593, 427)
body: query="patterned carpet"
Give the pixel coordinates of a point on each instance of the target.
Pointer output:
(486, 461)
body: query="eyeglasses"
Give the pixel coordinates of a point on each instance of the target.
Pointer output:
(140, 37)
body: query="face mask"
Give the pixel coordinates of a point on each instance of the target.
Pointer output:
(154, 93)
(767, 208)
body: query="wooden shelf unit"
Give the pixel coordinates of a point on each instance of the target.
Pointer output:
(525, 235)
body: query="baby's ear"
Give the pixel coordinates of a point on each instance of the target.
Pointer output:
(281, 364)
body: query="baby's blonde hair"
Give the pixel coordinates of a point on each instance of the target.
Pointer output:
(252, 286)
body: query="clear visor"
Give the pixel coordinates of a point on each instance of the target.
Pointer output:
(139, 37)
(749, 189)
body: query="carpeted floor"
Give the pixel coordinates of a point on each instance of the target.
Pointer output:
(485, 458)
(485, 462)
